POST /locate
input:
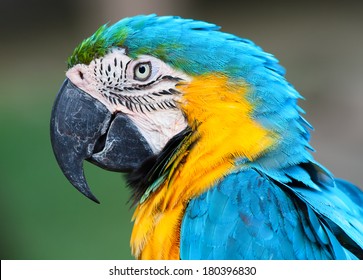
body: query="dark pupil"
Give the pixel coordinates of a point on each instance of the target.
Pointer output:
(142, 69)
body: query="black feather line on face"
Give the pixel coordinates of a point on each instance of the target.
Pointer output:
(152, 168)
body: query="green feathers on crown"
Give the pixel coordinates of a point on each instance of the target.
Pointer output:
(96, 46)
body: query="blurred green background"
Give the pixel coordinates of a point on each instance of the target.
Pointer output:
(43, 217)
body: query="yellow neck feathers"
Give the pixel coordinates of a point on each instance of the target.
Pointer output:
(220, 116)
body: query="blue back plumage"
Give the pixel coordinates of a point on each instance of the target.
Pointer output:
(248, 215)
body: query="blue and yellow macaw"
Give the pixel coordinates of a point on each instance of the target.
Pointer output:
(213, 141)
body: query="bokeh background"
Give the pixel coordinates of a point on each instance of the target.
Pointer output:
(43, 217)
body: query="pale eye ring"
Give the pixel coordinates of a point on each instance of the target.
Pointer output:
(142, 71)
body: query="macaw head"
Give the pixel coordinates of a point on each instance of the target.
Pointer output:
(149, 86)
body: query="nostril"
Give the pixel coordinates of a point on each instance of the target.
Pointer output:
(80, 73)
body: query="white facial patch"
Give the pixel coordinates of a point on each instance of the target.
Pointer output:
(144, 89)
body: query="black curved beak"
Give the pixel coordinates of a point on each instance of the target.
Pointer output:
(82, 128)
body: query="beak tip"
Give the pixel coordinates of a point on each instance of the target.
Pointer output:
(85, 190)
(88, 194)
(94, 199)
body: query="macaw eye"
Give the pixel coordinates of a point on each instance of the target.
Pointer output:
(142, 71)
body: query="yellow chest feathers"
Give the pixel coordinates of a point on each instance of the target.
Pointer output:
(220, 116)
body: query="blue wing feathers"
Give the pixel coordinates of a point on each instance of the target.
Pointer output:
(337, 202)
(355, 194)
(249, 215)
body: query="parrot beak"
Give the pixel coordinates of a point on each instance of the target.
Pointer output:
(82, 128)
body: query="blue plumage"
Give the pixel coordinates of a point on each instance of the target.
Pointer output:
(248, 215)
